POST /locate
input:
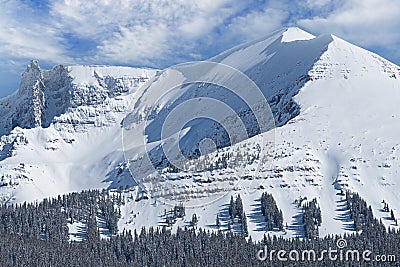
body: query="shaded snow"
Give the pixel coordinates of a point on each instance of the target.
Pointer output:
(341, 134)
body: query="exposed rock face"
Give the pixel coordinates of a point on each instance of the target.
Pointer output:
(29, 112)
(44, 95)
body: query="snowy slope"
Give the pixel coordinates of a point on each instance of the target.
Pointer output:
(79, 142)
(171, 94)
(334, 103)
(344, 136)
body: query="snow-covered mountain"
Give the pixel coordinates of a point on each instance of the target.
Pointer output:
(334, 106)
(44, 96)
(60, 130)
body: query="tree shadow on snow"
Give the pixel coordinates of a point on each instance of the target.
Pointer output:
(256, 216)
(344, 215)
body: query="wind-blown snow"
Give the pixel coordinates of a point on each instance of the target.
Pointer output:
(295, 34)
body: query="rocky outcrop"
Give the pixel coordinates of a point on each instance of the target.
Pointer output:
(46, 95)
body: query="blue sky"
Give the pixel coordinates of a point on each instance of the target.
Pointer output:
(160, 33)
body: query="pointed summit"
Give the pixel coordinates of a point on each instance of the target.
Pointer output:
(31, 74)
(34, 64)
(295, 34)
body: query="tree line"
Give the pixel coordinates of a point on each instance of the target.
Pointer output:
(36, 235)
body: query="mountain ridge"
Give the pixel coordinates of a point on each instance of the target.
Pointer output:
(334, 105)
(44, 95)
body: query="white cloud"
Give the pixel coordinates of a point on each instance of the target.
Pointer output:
(21, 36)
(142, 32)
(101, 18)
(98, 19)
(317, 3)
(367, 22)
(257, 24)
(139, 43)
(205, 16)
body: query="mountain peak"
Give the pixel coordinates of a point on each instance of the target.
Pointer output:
(334, 106)
(33, 67)
(32, 72)
(33, 64)
(295, 34)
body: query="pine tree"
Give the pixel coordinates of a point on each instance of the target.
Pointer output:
(245, 230)
(194, 220)
(311, 219)
(92, 232)
(273, 216)
(232, 211)
(239, 207)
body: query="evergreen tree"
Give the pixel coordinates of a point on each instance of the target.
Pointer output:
(239, 207)
(92, 232)
(232, 211)
(273, 216)
(311, 219)
(194, 220)
(245, 230)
